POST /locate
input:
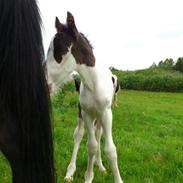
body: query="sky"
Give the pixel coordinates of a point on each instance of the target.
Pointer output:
(125, 34)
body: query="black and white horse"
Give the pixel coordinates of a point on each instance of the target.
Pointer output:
(71, 51)
(79, 131)
(25, 125)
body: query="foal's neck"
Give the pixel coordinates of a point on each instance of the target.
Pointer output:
(88, 76)
(85, 59)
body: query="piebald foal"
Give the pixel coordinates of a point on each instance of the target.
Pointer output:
(79, 132)
(70, 51)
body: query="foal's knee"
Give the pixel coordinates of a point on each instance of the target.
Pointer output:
(110, 152)
(92, 147)
(79, 132)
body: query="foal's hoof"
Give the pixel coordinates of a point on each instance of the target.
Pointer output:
(68, 179)
(104, 172)
(102, 169)
(100, 166)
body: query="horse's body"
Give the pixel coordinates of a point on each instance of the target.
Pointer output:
(70, 51)
(25, 125)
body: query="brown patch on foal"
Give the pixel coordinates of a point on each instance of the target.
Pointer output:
(83, 51)
(68, 35)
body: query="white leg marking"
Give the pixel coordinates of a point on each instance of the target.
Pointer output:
(78, 135)
(98, 159)
(110, 148)
(92, 147)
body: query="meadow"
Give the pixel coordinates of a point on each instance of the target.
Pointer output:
(147, 131)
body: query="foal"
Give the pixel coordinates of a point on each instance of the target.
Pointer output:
(70, 51)
(79, 132)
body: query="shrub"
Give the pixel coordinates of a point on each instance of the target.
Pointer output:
(153, 79)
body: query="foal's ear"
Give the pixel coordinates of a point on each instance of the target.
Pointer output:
(58, 25)
(71, 25)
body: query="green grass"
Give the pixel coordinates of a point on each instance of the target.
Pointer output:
(148, 133)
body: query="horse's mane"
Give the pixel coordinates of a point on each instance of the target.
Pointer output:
(23, 89)
(83, 51)
(86, 39)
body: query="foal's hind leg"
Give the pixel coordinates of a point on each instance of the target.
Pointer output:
(98, 159)
(92, 147)
(115, 100)
(78, 135)
(110, 148)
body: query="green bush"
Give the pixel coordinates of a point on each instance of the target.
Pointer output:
(64, 98)
(153, 79)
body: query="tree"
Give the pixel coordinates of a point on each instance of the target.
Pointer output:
(167, 64)
(160, 64)
(179, 64)
(153, 65)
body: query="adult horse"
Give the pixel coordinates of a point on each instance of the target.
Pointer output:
(71, 51)
(25, 125)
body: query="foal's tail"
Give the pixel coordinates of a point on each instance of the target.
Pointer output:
(23, 87)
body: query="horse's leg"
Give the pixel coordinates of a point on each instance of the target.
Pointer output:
(92, 146)
(98, 159)
(115, 100)
(110, 148)
(78, 135)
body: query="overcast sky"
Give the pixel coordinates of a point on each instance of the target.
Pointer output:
(126, 34)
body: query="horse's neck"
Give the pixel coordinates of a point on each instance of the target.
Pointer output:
(88, 75)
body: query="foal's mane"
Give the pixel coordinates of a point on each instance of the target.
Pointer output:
(83, 51)
(86, 39)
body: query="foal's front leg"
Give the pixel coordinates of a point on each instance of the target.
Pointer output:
(110, 148)
(92, 146)
(78, 135)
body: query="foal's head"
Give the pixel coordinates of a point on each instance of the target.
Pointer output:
(68, 49)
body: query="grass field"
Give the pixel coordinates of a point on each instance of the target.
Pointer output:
(148, 133)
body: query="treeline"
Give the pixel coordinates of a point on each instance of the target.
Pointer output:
(167, 76)
(170, 64)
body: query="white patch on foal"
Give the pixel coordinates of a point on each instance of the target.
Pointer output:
(58, 74)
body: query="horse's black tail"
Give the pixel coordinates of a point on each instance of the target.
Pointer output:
(23, 87)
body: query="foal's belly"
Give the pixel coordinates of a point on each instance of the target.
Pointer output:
(88, 105)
